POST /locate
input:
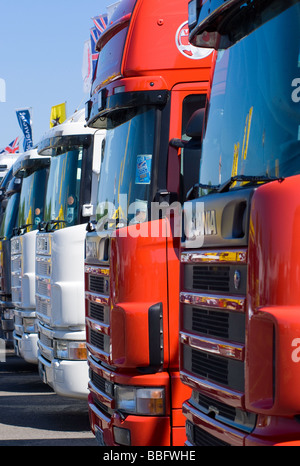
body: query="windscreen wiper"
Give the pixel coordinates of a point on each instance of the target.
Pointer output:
(247, 178)
(53, 224)
(17, 231)
(193, 192)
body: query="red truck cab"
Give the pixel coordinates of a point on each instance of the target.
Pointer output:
(239, 296)
(148, 83)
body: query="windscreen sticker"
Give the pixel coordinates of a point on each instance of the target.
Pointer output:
(143, 169)
(186, 48)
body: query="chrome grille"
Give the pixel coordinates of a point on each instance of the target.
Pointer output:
(45, 340)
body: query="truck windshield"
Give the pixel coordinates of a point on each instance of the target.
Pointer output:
(254, 117)
(63, 188)
(31, 209)
(125, 178)
(10, 217)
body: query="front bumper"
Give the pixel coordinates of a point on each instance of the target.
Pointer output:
(26, 346)
(67, 378)
(143, 430)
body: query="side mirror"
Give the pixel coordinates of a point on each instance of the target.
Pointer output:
(194, 129)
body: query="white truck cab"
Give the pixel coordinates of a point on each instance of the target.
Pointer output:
(10, 197)
(33, 169)
(75, 152)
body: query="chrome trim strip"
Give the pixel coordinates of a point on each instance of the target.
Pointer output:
(97, 298)
(97, 326)
(215, 256)
(224, 395)
(232, 303)
(97, 270)
(213, 346)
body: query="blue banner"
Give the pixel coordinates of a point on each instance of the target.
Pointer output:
(25, 124)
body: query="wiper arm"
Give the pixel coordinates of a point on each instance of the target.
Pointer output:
(251, 179)
(53, 224)
(193, 192)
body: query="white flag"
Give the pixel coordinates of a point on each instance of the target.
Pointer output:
(2, 90)
(87, 67)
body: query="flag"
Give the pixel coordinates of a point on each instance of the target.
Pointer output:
(24, 119)
(100, 23)
(58, 114)
(87, 67)
(12, 148)
(95, 32)
(2, 90)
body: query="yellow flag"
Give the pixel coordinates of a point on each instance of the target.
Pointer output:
(58, 114)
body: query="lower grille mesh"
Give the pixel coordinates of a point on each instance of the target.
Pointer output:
(205, 439)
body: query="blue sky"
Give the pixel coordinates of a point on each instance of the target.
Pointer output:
(41, 55)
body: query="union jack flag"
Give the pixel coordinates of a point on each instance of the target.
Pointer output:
(100, 22)
(100, 26)
(12, 148)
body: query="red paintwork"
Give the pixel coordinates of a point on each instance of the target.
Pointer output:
(144, 270)
(274, 325)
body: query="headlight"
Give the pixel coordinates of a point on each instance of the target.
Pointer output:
(75, 350)
(43, 244)
(91, 250)
(143, 401)
(16, 245)
(30, 325)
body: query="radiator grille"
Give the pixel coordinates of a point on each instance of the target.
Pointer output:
(211, 278)
(97, 339)
(43, 268)
(45, 340)
(96, 284)
(226, 411)
(205, 439)
(214, 368)
(211, 323)
(96, 311)
(98, 381)
(210, 367)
